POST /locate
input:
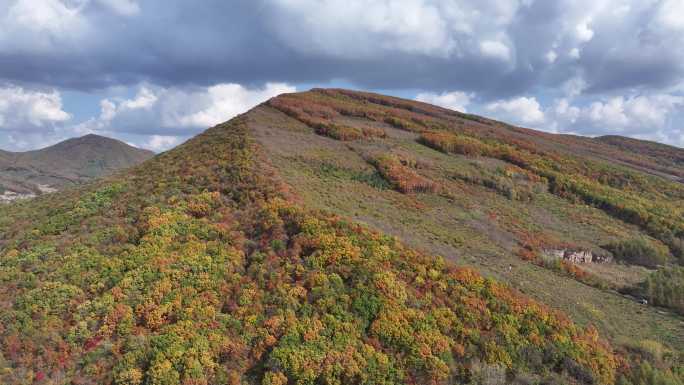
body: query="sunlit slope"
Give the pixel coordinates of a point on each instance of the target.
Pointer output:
(487, 194)
(197, 267)
(212, 264)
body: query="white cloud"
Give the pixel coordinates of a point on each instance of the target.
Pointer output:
(48, 26)
(642, 116)
(521, 110)
(23, 110)
(635, 112)
(455, 100)
(439, 28)
(566, 112)
(574, 53)
(371, 28)
(122, 7)
(163, 116)
(610, 113)
(579, 24)
(574, 86)
(158, 143)
(155, 117)
(647, 116)
(107, 109)
(145, 99)
(583, 32)
(670, 14)
(352, 28)
(41, 24)
(224, 101)
(551, 56)
(29, 118)
(495, 49)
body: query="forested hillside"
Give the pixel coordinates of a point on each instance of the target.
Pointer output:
(336, 237)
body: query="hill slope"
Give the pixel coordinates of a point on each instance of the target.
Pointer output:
(70, 162)
(667, 159)
(220, 269)
(497, 191)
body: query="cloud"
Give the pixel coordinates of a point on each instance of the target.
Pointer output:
(551, 56)
(644, 116)
(584, 51)
(225, 100)
(670, 13)
(30, 118)
(652, 116)
(164, 116)
(27, 110)
(495, 49)
(574, 53)
(371, 29)
(428, 44)
(574, 86)
(454, 100)
(144, 100)
(122, 7)
(583, 32)
(159, 143)
(353, 28)
(153, 117)
(564, 113)
(40, 25)
(641, 115)
(522, 110)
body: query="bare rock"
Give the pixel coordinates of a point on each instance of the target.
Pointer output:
(577, 256)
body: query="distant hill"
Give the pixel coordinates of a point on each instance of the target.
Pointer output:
(344, 237)
(67, 163)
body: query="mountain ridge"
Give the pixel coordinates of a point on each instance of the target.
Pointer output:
(300, 242)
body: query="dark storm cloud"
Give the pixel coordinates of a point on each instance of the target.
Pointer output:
(165, 42)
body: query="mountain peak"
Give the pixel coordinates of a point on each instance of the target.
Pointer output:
(98, 140)
(66, 163)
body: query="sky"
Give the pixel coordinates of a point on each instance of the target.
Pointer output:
(156, 72)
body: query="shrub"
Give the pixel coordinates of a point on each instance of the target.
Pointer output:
(339, 132)
(665, 287)
(401, 177)
(638, 251)
(506, 186)
(610, 189)
(348, 133)
(403, 124)
(320, 118)
(451, 143)
(645, 374)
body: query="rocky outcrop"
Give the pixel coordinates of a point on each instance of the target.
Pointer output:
(11, 196)
(577, 256)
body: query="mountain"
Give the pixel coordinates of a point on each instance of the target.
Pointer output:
(342, 237)
(67, 163)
